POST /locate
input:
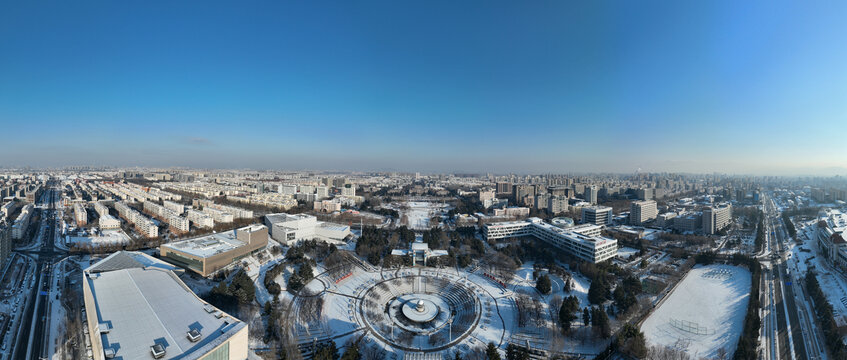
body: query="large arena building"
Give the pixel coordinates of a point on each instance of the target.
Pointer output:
(583, 243)
(138, 308)
(207, 254)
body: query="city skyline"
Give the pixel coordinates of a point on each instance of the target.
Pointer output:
(752, 88)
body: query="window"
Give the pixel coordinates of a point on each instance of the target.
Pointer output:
(221, 353)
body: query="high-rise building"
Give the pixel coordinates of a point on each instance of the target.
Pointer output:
(557, 204)
(598, 215)
(643, 211)
(560, 191)
(288, 189)
(716, 218)
(522, 192)
(644, 194)
(504, 188)
(590, 194)
(541, 200)
(348, 190)
(486, 194)
(321, 192)
(80, 215)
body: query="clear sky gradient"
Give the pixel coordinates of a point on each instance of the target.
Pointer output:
(488, 86)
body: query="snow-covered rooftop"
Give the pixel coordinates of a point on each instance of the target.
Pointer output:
(208, 245)
(139, 307)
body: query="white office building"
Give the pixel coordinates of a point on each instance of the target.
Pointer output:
(291, 229)
(599, 215)
(641, 212)
(589, 248)
(716, 218)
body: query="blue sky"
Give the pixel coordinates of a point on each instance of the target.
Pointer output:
(560, 86)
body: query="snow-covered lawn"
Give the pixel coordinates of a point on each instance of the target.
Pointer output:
(106, 237)
(626, 252)
(416, 214)
(704, 313)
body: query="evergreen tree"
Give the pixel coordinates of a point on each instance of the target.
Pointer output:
(586, 317)
(511, 352)
(543, 284)
(604, 328)
(566, 312)
(597, 291)
(352, 353)
(491, 352)
(326, 351)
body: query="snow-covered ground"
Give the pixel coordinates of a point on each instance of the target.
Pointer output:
(832, 283)
(626, 252)
(116, 236)
(704, 313)
(17, 283)
(416, 214)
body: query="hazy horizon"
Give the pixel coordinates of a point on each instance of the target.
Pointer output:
(754, 88)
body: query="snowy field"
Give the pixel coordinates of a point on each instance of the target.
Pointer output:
(626, 252)
(704, 313)
(105, 237)
(416, 214)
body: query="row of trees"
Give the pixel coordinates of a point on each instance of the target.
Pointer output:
(789, 225)
(826, 318)
(760, 234)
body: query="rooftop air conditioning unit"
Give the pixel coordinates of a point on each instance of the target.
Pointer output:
(109, 353)
(158, 351)
(193, 335)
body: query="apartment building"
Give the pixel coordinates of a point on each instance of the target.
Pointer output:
(176, 223)
(643, 211)
(80, 215)
(142, 224)
(200, 219)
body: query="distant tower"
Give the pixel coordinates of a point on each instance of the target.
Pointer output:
(591, 194)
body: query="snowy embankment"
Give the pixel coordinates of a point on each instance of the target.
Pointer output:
(705, 313)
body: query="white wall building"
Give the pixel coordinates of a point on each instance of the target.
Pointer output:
(290, 229)
(589, 248)
(641, 212)
(599, 215)
(716, 218)
(200, 219)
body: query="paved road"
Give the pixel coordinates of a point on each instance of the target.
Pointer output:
(31, 344)
(792, 333)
